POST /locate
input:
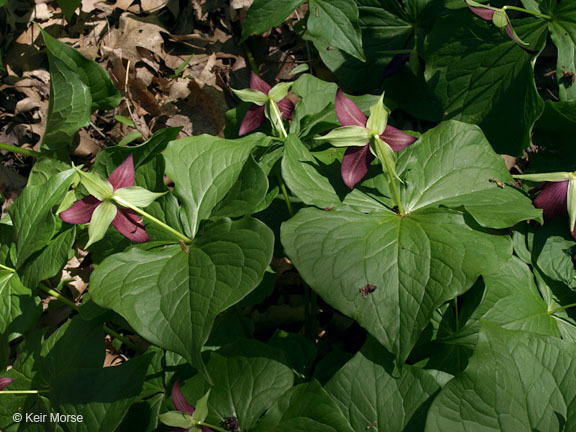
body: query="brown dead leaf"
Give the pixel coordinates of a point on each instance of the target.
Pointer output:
(133, 33)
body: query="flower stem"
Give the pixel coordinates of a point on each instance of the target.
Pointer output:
(148, 216)
(561, 308)
(16, 392)
(519, 9)
(73, 306)
(285, 193)
(16, 149)
(10, 269)
(215, 428)
(391, 180)
(278, 119)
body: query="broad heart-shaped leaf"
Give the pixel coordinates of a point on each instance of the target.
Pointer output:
(204, 169)
(481, 76)
(453, 165)
(171, 297)
(306, 407)
(368, 394)
(104, 94)
(32, 214)
(19, 309)
(265, 14)
(516, 381)
(551, 251)
(416, 262)
(101, 396)
(69, 107)
(512, 301)
(341, 17)
(245, 386)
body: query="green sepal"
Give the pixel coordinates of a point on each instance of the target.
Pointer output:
(96, 185)
(378, 117)
(252, 96)
(551, 177)
(101, 220)
(138, 196)
(347, 136)
(509, 24)
(279, 91)
(479, 5)
(201, 410)
(67, 202)
(272, 113)
(177, 419)
(500, 19)
(571, 204)
(386, 156)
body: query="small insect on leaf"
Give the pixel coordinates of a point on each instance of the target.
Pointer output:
(184, 247)
(367, 289)
(498, 183)
(371, 425)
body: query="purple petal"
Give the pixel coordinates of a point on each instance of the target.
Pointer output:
(486, 14)
(258, 83)
(129, 224)
(396, 139)
(355, 164)
(180, 401)
(81, 211)
(396, 65)
(286, 107)
(347, 112)
(5, 382)
(124, 175)
(253, 118)
(510, 33)
(552, 199)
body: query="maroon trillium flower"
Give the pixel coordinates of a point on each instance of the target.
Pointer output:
(5, 382)
(255, 115)
(553, 200)
(183, 406)
(126, 221)
(357, 159)
(487, 13)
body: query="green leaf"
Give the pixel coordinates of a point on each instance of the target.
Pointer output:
(551, 251)
(481, 76)
(32, 214)
(104, 95)
(177, 419)
(378, 117)
(251, 96)
(101, 220)
(512, 301)
(101, 396)
(300, 351)
(563, 33)
(50, 260)
(306, 407)
(341, 17)
(69, 106)
(204, 169)
(132, 136)
(246, 386)
(171, 297)
(265, 14)
(68, 7)
(138, 196)
(201, 408)
(124, 120)
(339, 252)
(19, 309)
(246, 194)
(395, 403)
(515, 381)
(453, 165)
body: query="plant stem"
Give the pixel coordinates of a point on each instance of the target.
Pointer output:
(72, 305)
(285, 193)
(10, 269)
(391, 181)
(278, 116)
(16, 149)
(519, 9)
(22, 391)
(148, 216)
(552, 312)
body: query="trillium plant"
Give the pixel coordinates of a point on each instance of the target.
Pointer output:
(382, 237)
